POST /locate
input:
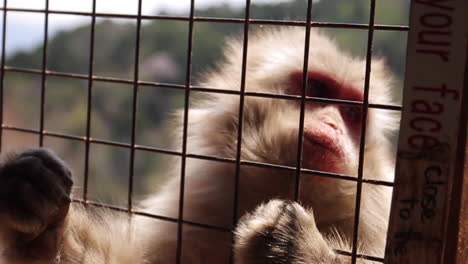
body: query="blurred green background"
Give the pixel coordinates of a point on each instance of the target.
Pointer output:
(163, 56)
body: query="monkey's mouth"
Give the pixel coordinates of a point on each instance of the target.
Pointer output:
(315, 140)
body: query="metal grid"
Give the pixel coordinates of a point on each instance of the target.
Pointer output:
(132, 146)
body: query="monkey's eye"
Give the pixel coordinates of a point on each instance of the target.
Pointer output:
(317, 88)
(324, 86)
(352, 113)
(318, 85)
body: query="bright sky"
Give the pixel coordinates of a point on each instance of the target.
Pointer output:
(125, 6)
(26, 30)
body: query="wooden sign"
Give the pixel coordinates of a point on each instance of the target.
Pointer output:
(429, 140)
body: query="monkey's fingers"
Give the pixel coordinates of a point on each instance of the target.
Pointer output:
(34, 201)
(279, 232)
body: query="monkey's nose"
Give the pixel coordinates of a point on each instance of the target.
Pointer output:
(331, 124)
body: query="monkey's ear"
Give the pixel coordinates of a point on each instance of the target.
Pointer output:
(379, 64)
(380, 69)
(382, 81)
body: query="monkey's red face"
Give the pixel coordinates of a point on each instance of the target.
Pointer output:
(331, 130)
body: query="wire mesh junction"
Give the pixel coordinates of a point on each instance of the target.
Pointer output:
(132, 146)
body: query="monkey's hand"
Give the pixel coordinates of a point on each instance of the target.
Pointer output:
(281, 232)
(34, 202)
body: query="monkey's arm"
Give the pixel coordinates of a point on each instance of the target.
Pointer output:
(283, 232)
(38, 225)
(99, 237)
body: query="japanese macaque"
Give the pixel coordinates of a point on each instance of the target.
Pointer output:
(39, 225)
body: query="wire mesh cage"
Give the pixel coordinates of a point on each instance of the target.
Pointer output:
(120, 125)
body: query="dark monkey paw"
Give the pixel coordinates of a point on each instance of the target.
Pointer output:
(35, 190)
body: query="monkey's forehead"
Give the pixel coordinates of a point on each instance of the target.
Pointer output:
(274, 53)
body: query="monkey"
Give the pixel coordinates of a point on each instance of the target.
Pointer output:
(39, 224)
